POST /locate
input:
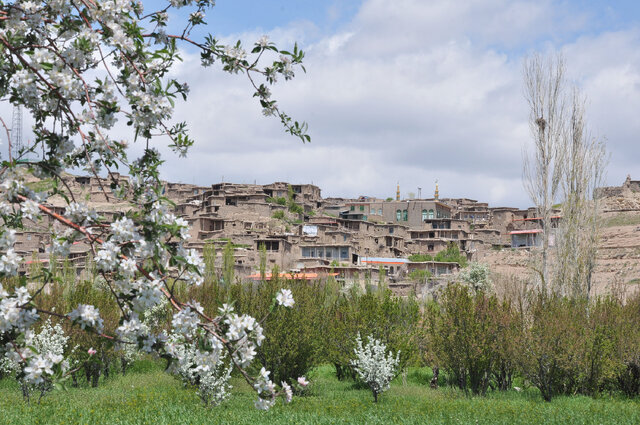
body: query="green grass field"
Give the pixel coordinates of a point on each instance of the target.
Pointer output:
(149, 396)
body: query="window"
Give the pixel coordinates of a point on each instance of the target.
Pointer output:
(391, 230)
(272, 245)
(353, 208)
(398, 215)
(430, 213)
(405, 215)
(361, 207)
(424, 215)
(344, 253)
(380, 211)
(430, 247)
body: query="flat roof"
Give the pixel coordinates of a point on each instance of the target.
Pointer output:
(382, 260)
(525, 232)
(535, 218)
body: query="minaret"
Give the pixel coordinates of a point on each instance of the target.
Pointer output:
(398, 192)
(436, 195)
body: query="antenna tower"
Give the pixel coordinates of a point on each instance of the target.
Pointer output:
(16, 131)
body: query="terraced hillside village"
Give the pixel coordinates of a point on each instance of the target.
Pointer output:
(410, 244)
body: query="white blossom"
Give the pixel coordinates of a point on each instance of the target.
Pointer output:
(124, 230)
(285, 298)
(288, 392)
(9, 263)
(263, 41)
(107, 257)
(87, 316)
(205, 370)
(185, 321)
(374, 367)
(30, 210)
(7, 239)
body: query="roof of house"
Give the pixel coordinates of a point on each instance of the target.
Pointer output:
(525, 232)
(382, 260)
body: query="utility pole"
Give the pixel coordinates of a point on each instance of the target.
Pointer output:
(16, 131)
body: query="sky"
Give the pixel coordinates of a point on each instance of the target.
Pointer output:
(407, 92)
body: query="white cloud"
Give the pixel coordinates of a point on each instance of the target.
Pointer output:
(411, 91)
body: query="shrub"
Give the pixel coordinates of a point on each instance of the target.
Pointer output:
(477, 277)
(628, 377)
(374, 366)
(451, 254)
(463, 336)
(293, 341)
(393, 320)
(552, 343)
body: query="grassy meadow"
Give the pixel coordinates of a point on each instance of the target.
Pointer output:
(147, 395)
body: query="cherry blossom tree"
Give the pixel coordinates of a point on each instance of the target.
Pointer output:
(78, 67)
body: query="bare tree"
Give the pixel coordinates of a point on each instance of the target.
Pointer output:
(545, 92)
(566, 165)
(578, 232)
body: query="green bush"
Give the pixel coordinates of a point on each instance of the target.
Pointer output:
(572, 345)
(628, 377)
(293, 336)
(466, 335)
(393, 320)
(420, 257)
(452, 254)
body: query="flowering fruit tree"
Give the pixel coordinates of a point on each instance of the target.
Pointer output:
(79, 67)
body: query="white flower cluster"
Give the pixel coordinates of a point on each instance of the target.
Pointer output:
(245, 332)
(266, 390)
(30, 210)
(35, 369)
(108, 256)
(285, 298)
(87, 316)
(14, 316)
(124, 230)
(374, 367)
(39, 366)
(9, 263)
(206, 370)
(185, 322)
(50, 343)
(80, 213)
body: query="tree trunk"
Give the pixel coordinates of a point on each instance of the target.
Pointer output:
(95, 376)
(123, 365)
(434, 380)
